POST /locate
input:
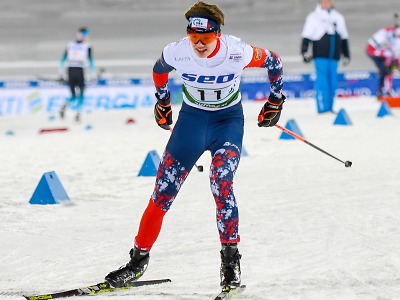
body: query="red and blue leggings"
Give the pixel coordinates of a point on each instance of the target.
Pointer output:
(196, 131)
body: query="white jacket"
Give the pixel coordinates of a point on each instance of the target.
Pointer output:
(321, 21)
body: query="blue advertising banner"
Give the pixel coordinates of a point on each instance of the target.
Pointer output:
(18, 97)
(301, 85)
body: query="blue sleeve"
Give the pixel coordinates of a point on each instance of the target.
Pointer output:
(62, 61)
(161, 67)
(91, 62)
(275, 71)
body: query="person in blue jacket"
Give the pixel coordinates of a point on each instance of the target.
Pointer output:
(325, 29)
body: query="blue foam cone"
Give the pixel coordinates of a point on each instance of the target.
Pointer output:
(292, 126)
(150, 164)
(384, 110)
(342, 118)
(49, 191)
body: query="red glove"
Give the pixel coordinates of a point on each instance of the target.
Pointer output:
(163, 112)
(271, 111)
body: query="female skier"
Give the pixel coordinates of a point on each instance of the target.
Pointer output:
(210, 65)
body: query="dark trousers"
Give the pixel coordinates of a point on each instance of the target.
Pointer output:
(76, 83)
(383, 72)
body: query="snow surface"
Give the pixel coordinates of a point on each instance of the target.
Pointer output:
(310, 228)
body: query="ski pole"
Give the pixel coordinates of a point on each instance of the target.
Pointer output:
(346, 163)
(199, 168)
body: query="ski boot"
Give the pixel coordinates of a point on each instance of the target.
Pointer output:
(132, 271)
(230, 267)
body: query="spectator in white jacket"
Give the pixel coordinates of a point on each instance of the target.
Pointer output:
(325, 29)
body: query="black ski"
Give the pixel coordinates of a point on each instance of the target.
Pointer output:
(228, 293)
(99, 288)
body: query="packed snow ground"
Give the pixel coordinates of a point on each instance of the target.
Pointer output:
(310, 228)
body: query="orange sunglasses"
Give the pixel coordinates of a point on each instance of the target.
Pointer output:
(205, 38)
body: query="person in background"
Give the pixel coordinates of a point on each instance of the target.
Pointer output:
(325, 29)
(210, 65)
(78, 54)
(383, 47)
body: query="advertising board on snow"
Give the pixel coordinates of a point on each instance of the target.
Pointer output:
(19, 97)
